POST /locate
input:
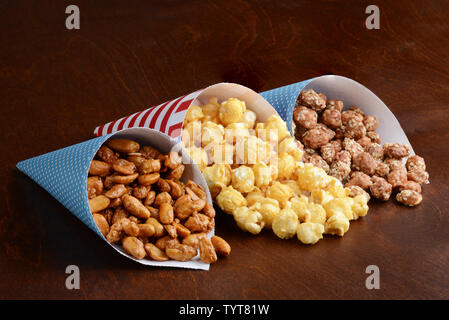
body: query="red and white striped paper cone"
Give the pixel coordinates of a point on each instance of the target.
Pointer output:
(168, 117)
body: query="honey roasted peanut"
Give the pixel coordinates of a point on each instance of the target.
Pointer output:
(180, 252)
(155, 253)
(135, 207)
(98, 203)
(123, 145)
(221, 246)
(134, 247)
(138, 201)
(207, 250)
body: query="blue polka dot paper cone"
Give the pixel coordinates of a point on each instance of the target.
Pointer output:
(283, 99)
(63, 173)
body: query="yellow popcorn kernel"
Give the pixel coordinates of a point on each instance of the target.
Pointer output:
(269, 135)
(194, 113)
(286, 165)
(359, 206)
(338, 206)
(311, 178)
(249, 220)
(254, 196)
(267, 153)
(214, 101)
(274, 171)
(231, 111)
(336, 189)
(291, 146)
(236, 132)
(285, 223)
(249, 117)
(191, 134)
(250, 150)
(230, 199)
(320, 196)
(269, 208)
(275, 122)
(259, 127)
(217, 173)
(262, 173)
(243, 179)
(221, 153)
(211, 133)
(317, 213)
(293, 185)
(210, 111)
(337, 224)
(280, 192)
(199, 157)
(309, 232)
(300, 207)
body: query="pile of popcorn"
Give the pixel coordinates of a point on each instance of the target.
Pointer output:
(255, 172)
(345, 145)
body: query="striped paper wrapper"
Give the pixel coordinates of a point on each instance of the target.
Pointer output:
(168, 117)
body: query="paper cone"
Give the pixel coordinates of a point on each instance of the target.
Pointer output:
(63, 173)
(283, 99)
(168, 117)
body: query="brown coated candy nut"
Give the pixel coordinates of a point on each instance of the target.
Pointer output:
(415, 163)
(331, 118)
(419, 176)
(364, 162)
(334, 105)
(396, 150)
(411, 185)
(305, 117)
(380, 189)
(312, 99)
(409, 198)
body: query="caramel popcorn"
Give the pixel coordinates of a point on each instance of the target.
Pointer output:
(309, 232)
(263, 183)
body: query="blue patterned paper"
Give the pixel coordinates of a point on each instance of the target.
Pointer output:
(283, 99)
(63, 173)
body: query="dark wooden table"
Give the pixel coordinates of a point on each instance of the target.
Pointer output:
(58, 84)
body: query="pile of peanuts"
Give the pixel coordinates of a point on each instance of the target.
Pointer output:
(137, 199)
(346, 145)
(254, 173)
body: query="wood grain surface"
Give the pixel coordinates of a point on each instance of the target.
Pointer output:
(57, 85)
